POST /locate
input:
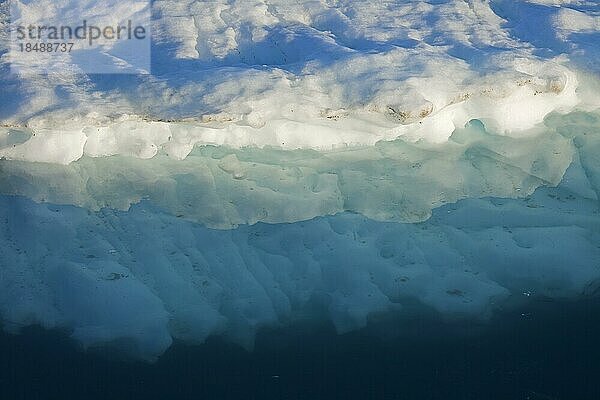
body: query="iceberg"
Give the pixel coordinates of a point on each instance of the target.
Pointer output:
(286, 161)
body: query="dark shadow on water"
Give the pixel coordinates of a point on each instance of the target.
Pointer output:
(542, 351)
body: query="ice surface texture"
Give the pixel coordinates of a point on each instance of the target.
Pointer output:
(145, 276)
(222, 187)
(288, 161)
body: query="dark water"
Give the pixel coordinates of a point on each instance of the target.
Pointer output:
(544, 350)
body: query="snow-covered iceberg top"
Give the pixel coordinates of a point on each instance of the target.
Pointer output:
(312, 75)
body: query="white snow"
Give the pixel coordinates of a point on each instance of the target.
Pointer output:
(305, 75)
